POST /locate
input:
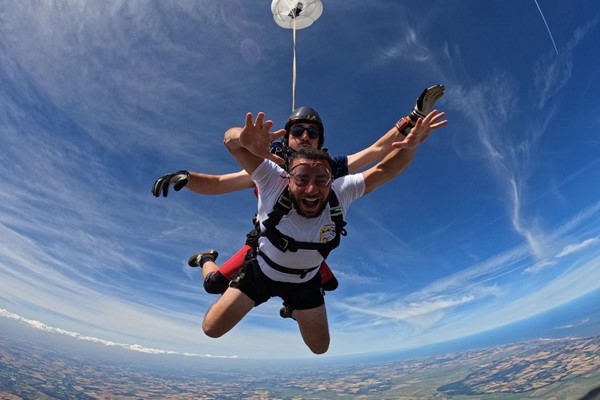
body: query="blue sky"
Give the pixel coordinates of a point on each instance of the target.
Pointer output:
(496, 221)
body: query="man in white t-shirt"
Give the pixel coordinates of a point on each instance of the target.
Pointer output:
(294, 242)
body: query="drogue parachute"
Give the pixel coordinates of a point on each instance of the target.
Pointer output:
(291, 14)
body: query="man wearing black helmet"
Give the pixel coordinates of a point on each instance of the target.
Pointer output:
(304, 128)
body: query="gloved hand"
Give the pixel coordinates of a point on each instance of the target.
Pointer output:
(426, 101)
(178, 179)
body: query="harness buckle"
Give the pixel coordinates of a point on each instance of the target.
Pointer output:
(285, 202)
(283, 244)
(335, 211)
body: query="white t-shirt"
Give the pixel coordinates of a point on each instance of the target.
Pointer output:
(271, 181)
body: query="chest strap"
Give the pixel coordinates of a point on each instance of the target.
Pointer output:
(286, 243)
(286, 270)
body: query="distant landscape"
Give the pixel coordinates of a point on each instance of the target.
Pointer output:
(57, 368)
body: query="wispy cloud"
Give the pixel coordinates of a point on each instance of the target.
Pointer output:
(571, 326)
(551, 73)
(493, 107)
(133, 347)
(489, 106)
(492, 290)
(420, 315)
(582, 221)
(573, 248)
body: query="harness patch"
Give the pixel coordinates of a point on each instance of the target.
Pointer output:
(327, 233)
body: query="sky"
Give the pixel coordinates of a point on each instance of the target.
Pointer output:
(496, 222)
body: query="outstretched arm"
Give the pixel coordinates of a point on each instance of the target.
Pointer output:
(399, 159)
(250, 146)
(219, 184)
(378, 150)
(201, 183)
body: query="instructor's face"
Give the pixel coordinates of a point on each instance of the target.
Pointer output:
(303, 136)
(310, 183)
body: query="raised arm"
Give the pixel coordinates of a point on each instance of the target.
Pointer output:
(397, 160)
(378, 150)
(250, 146)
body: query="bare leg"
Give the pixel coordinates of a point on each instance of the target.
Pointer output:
(314, 328)
(222, 316)
(208, 267)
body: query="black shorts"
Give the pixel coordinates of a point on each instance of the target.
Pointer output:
(255, 284)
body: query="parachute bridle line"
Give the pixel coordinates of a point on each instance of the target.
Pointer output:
(294, 62)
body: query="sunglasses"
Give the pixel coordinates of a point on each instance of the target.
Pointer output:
(298, 130)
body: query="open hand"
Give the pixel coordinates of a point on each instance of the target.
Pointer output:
(256, 137)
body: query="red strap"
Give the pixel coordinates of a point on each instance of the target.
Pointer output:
(402, 124)
(325, 272)
(234, 263)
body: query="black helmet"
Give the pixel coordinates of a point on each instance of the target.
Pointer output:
(304, 114)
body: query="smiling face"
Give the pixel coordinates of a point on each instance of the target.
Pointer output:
(303, 135)
(309, 185)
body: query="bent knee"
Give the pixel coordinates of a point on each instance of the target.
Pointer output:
(211, 330)
(320, 348)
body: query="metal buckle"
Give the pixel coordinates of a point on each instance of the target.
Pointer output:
(283, 244)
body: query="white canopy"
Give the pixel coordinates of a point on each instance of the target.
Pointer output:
(303, 12)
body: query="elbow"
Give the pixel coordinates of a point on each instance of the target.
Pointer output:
(231, 138)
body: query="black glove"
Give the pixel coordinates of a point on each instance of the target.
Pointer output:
(178, 179)
(426, 101)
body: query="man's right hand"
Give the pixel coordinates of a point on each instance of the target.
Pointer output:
(421, 131)
(256, 137)
(178, 179)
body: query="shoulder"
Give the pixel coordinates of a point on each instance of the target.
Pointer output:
(349, 187)
(269, 177)
(346, 181)
(265, 169)
(339, 166)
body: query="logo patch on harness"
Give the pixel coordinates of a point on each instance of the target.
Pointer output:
(327, 233)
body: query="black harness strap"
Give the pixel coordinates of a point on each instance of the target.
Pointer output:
(286, 270)
(286, 243)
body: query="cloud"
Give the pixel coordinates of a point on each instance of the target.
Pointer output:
(539, 266)
(552, 72)
(420, 315)
(481, 296)
(570, 326)
(573, 248)
(419, 310)
(133, 347)
(491, 106)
